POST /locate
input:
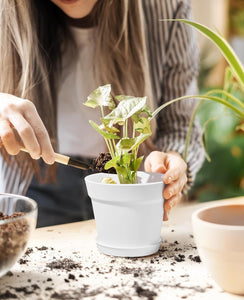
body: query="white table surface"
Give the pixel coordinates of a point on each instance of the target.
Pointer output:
(168, 275)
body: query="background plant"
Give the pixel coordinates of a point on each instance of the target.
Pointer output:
(234, 83)
(222, 129)
(223, 176)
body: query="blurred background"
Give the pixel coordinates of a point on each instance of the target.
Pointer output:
(223, 177)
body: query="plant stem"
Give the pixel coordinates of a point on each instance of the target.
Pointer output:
(135, 152)
(114, 147)
(217, 91)
(102, 112)
(188, 136)
(126, 128)
(111, 148)
(216, 99)
(133, 130)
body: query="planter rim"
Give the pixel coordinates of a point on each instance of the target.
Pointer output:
(90, 179)
(198, 220)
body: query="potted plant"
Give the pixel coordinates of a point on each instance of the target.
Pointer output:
(128, 205)
(128, 216)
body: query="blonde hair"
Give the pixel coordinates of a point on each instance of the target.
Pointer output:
(31, 36)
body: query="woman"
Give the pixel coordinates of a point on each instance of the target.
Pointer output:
(53, 54)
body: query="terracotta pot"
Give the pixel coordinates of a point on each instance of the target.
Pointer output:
(219, 235)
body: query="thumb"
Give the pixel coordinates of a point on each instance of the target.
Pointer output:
(158, 168)
(155, 162)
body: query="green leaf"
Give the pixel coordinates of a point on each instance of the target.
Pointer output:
(137, 163)
(228, 83)
(106, 135)
(125, 144)
(128, 144)
(126, 109)
(145, 110)
(111, 163)
(140, 139)
(123, 97)
(126, 158)
(101, 97)
(204, 143)
(123, 174)
(224, 46)
(143, 125)
(105, 126)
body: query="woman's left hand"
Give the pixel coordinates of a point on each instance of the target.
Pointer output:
(172, 165)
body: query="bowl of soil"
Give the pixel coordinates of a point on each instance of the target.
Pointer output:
(219, 235)
(18, 215)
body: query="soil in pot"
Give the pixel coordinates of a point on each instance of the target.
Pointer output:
(100, 162)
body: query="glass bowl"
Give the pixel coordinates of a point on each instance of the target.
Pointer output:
(16, 231)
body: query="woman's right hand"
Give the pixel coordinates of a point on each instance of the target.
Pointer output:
(20, 115)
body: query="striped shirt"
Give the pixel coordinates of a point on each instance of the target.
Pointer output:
(173, 59)
(173, 62)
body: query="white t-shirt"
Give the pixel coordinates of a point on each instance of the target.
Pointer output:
(75, 134)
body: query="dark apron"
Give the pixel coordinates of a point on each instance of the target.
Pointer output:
(62, 202)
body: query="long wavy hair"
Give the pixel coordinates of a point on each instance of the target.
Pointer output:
(32, 35)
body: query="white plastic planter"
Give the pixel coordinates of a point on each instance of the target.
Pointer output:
(128, 216)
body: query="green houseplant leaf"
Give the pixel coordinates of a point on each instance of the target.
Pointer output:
(106, 135)
(223, 45)
(123, 97)
(126, 109)
(101, 97)
(128, 144)
(143, 125)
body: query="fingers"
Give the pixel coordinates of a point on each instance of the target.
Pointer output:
(8, 138)
(174, 187)
(41, 135)
(176, 168)
(21, 124)
(170, 203)
(172, 194)
(27, 135)
(155, 162)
